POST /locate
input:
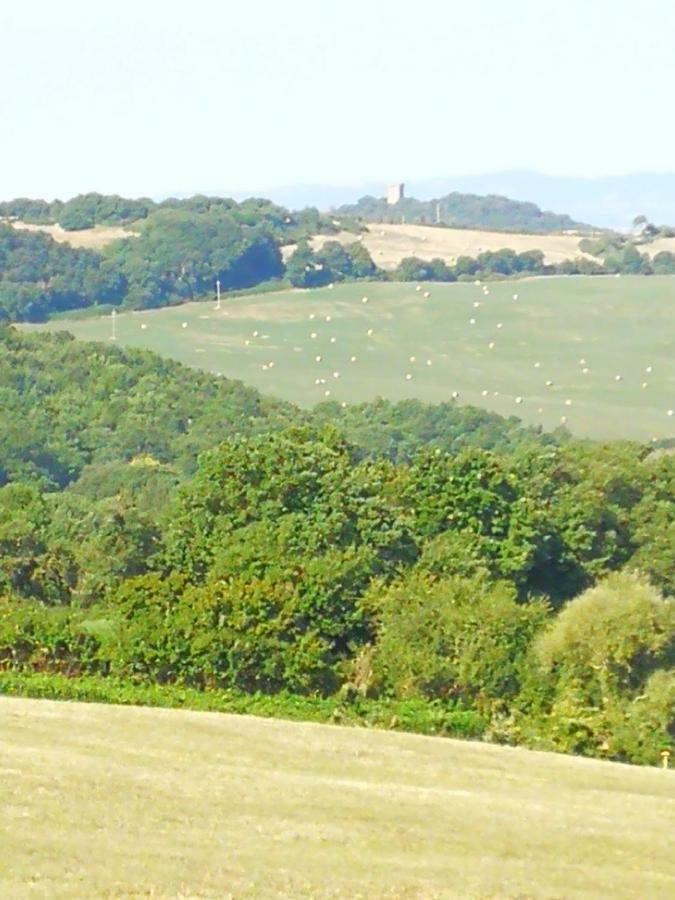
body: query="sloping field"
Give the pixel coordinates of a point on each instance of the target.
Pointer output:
(660, 244)
(389, 244)
(91, 238)
(103, 801)
(597, 340)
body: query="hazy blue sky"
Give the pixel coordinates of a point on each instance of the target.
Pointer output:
(149, 97)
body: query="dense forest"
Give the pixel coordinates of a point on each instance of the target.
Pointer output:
(491, 213)
(162, 526)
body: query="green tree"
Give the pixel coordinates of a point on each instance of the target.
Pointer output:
(456, 638)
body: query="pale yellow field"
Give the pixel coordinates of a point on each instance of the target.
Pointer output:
(389, 244)
(654, 247)
(105, 801)
(91, 238)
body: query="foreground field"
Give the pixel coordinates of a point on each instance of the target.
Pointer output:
(578, 333)
(389, 244)
(103, 801)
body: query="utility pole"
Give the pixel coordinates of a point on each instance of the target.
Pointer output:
(218, 294)
(113, 316)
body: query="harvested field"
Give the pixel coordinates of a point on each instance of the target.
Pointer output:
(492, 350)
(389, 244)
(91, 238)
(105, 801)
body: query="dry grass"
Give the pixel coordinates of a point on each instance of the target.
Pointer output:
(654, 247)
(389, 244)
(91, 238)
(126, 802)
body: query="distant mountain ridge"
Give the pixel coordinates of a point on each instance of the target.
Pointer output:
(458, 210)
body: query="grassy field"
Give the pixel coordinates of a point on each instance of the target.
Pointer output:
(104, 801)
(91, 238)
(389, 244)
(578, 333)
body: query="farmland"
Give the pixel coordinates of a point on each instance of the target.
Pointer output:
(215, 805)
(389, 244)
(597, 340)
(89, 238)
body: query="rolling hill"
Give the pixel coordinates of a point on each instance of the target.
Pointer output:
(597, 340)
(463, 211)
(102, 801)
(389, 244)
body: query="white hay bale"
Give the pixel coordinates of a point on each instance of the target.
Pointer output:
(472, 321)
(499, 325)
(563, 420)
(144, 326)
(369, 332)
(326, 393)
(364, 299)
(352, 359)
(317, 359)
(476, 305)
(537, 365)
(332, 340)
(549, 383)
(429, 362)
(515, 296)
(484, 393)
(328, 318)
(455, 395)
(644, 384)
(426, 295)
(184, 325)
(618, 378)
(313, 335)
(519, 399)
(491, 345)
(413, 359)
(648, 369)
(568, 402)
(408, 376)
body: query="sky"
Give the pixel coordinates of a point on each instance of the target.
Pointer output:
(157, 98)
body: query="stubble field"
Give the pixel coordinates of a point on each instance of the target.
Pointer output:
(105, 801)
(605, 344)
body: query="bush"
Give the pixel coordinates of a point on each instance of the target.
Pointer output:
(458, 638)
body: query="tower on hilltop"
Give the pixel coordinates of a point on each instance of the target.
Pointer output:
(395, 192)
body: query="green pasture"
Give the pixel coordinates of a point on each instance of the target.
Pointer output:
(621, 330)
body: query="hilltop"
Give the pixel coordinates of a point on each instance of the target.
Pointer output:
(490, 213)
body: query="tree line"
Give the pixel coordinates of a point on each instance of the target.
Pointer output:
(163, 526)
(457, 210)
